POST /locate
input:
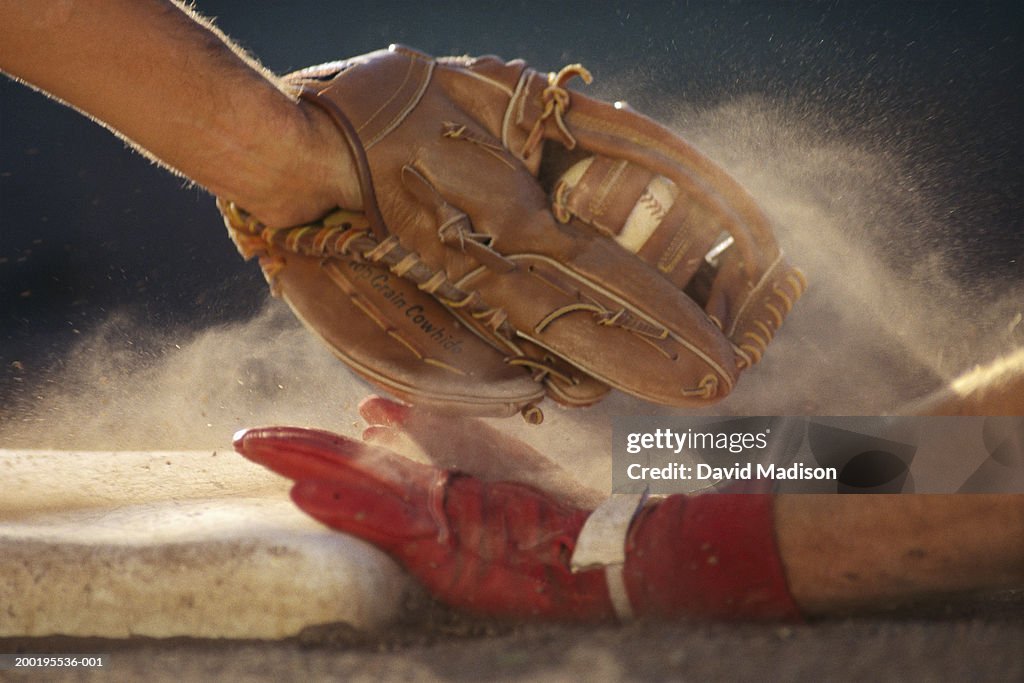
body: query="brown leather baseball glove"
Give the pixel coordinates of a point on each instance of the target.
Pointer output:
(521, 240)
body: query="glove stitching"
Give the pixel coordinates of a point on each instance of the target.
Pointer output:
(404, 111)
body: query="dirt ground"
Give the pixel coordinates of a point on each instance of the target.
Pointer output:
(977, 639)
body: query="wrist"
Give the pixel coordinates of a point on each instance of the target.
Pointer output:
(300, 172)
(712, 555)
(325, 164)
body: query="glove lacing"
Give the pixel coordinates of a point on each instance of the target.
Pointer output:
(555, 99)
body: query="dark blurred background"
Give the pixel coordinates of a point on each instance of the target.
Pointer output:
(88, 228)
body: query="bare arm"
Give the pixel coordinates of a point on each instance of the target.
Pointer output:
(840, 552)
(857, 552)
(164, 79)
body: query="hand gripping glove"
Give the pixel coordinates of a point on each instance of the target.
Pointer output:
(502, 549)
(519, 239)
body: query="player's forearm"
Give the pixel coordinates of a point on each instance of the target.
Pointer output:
(849, 552)
(150, 71)
(759, 556)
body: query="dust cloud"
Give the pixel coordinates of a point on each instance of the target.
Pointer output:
(892, 310)
(887, 318)
(128, 386)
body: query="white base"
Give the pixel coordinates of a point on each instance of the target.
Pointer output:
(203, 544)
